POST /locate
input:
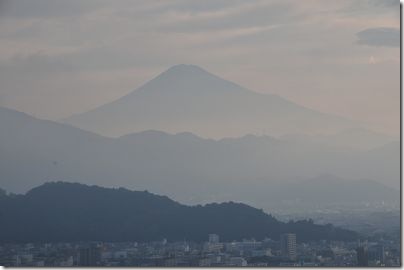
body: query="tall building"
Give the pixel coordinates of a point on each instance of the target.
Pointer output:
(89, 256)
(376, 254)
(213, 238)
(362, 256)
(288, 245)
(213, 245)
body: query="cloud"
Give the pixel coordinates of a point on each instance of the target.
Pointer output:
(61, 57)
(383, 36)
(245, 15)
(385, 3)
(46, 8)
(374, 7)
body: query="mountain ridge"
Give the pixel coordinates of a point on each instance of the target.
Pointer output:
(61, 211)
(183, 166)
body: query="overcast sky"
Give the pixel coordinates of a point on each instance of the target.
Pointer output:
(342, 57)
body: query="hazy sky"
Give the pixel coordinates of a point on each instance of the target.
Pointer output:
(63, 57)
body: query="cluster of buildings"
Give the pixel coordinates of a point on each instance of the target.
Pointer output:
(286, 251)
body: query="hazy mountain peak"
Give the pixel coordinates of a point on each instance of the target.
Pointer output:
(188, 98)
(182, 68)
(183, 71)
(184, 78)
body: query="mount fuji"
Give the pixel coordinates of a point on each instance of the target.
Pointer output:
(188, 98)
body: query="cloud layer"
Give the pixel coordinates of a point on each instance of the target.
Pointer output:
(59, 57)
(383, 36)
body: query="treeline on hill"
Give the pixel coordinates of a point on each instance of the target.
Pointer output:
(60, 211)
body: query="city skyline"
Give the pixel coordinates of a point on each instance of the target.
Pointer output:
(214, 236)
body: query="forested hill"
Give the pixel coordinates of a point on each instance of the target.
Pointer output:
(60, 211)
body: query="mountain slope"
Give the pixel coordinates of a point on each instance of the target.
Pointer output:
(34, 150)
(188, 98)
(75, 212)
(183, 166)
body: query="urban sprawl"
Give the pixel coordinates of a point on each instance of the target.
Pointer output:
(286, 251)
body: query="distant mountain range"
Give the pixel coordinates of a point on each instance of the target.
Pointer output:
(354, 138)
(188, 98)
(259, 170)
(56, 212)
